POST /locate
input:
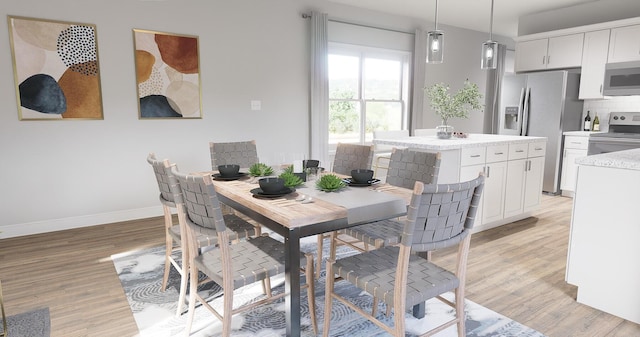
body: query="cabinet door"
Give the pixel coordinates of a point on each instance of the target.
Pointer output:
(594, 58)
(469, 173)
(570, 169)
(531, 55)
(624, 44)
(493, 192)
(533, 184)
(565, 51)
(515, 185)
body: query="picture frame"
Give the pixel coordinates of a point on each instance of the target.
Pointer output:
(167, 75)
(56, 69)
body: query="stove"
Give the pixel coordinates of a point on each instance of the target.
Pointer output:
(624, 134)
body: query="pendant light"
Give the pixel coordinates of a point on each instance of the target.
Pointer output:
(490, 48)
(435, 46)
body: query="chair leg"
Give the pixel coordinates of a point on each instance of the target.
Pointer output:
(311, 292)
(168, 222)
(320, 242)
(193, 290)
(374, 306)
(459, 293)
(328, 298)
(227, 316)
(184, 279)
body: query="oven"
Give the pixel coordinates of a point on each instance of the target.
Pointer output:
(624, 134)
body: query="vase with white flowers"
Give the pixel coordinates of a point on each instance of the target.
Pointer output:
(449, 106)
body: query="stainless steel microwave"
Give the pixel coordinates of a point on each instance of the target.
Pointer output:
(622, 79)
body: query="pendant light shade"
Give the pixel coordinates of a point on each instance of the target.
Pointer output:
(435, 43)
(490, 48)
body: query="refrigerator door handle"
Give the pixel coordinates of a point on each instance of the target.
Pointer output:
(521, 111)
(525, 114)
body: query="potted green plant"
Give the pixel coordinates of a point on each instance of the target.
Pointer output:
(449, 106)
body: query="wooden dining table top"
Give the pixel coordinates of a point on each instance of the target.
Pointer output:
(292, 213)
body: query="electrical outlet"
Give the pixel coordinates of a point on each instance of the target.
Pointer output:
(256, 105)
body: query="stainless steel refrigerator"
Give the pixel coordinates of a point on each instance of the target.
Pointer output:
(543, 104)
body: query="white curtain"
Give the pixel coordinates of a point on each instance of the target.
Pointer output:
(419, 67)
(319, 126)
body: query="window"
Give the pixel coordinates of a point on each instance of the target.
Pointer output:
(368, 90)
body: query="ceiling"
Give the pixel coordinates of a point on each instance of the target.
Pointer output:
(470, 14)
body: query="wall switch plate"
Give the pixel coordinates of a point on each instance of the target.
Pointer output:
(256, 105)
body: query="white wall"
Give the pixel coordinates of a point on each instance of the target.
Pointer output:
(64, 174)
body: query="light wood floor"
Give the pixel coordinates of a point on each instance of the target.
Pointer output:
(517, 270)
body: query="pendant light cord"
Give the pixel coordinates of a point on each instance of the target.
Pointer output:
(437, 14)
(490, 23)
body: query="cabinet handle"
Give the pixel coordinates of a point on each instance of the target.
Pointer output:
(498, 153)
(548, 59)
(574, 143)
(519, 151)
(543, 58)
(529, 165)
(488, 171)
(540, 149)
(475, 156)
(601, 84)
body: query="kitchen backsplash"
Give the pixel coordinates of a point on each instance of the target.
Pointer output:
(604, 106)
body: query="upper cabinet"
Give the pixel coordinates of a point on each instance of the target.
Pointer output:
(549, 53)
(625, 44)
(594, 58)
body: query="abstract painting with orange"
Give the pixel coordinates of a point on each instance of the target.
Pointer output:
(167, 75)
(56, 69)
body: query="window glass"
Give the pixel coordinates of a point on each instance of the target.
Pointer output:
(344, 76)
(382, 79)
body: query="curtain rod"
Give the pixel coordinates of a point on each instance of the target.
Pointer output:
(308, 16)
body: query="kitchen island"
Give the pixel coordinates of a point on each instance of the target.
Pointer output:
(513, 167)
(602, 260)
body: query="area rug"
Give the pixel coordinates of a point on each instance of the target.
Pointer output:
(34, 323)
(140, 273)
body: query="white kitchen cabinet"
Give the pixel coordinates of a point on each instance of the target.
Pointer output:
(594, 58)
(574, 147)
(552, 53)
(624, 44)
(525, 170)
(492, 162)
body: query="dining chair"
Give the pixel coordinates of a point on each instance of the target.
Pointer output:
(381, 152)
(348, 157)
(440, 216)
(230, 266)
(352, 156)
(243, 153)
(170, 191)
(405, 168)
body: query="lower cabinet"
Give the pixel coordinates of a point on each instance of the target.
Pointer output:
(523, 187)
(574, 148)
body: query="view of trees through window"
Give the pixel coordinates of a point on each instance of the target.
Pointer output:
(367, 92)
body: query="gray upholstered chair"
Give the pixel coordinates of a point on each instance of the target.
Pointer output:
(170, 192)
(439, 216)
(352, 156)
(242, 153)
(348, 157)
(230, 266)
(405, 168)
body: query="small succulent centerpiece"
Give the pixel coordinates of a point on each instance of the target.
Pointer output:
(449, 106)
(330, 183)
(290, 179)
(260, 170)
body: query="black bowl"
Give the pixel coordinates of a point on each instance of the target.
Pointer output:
(310, 163)
(362, 176)
(271, 185)
(230, 170)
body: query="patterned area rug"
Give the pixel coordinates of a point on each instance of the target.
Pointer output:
(154, 311)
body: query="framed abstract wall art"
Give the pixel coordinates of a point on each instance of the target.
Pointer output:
(167, 75)
(56, 69)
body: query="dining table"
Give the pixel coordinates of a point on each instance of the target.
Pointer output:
(293, 218)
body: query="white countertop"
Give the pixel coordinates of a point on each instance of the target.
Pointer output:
(628, 159)
(473, 140)
(579, 133)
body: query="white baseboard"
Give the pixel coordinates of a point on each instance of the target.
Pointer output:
(53, 225)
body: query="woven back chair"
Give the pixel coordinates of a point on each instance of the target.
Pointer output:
(230, 266)
(243, 153)
(439, 216)
(405, 168)
(382, 153)
(352, 156)
(171, 198)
